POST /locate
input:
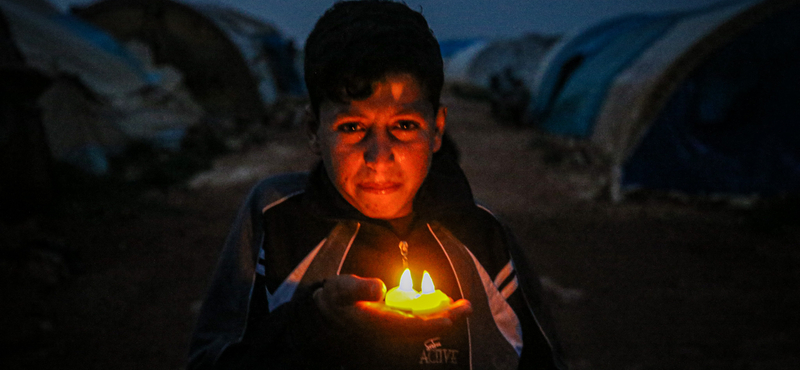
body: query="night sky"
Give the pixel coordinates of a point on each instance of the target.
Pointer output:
(451, 19)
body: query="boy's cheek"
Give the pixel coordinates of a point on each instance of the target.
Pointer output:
(344, 164)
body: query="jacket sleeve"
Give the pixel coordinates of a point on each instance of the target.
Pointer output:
(221, 338)
(293, 336)
(495, 246)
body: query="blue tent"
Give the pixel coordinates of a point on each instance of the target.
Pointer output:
(580, 72)
(703, 102)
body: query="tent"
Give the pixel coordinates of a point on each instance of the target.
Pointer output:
(233, 64)
(26, 186)
(474, 61)
(701, 102)
(457, 56)
(57, 43)
(100, 95)
(451, 47)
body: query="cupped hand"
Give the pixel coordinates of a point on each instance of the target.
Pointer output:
(356, 303)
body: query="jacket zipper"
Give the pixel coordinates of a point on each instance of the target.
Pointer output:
(404, 253)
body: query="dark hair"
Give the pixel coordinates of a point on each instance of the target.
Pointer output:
(357, 43)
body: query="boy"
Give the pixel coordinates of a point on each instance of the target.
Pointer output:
(304, 270)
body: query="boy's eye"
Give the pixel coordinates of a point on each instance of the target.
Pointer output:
(348, 127)
(407, 125)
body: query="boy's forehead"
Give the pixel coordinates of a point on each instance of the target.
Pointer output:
(401, 92)
(402, 88)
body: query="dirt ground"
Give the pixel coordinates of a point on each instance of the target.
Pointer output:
(650, 283)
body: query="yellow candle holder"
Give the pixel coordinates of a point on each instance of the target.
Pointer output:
(401, 296)
(405, 298)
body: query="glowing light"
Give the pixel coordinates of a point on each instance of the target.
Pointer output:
(402, 297)
(405, 298)
(427, 283)
(406, 284)
(431, 300)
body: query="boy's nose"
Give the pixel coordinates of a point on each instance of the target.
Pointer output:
(378, 149)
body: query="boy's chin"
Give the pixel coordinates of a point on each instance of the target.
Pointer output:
(383, 211)
(384, 215)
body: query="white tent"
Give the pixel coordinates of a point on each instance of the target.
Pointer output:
(103, 94)
(56, 43)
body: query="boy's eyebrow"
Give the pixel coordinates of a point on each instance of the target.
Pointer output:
(409, 112)
(355, 113)
(347, 114)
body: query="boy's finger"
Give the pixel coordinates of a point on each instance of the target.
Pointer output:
(460, 308)
(351, 289)
(376, 316)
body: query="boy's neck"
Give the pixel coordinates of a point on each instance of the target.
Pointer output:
(402, 226)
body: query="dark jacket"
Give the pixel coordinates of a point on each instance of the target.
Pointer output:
(295, 230)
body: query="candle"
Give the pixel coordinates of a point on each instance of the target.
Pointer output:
(431, 300)
(405, 298)
(402, 296)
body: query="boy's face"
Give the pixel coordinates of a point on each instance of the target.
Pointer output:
(377, 151)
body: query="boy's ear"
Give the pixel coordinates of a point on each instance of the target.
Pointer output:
(441, 120)
(312, 125)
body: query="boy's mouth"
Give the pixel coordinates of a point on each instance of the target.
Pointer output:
(379, 187)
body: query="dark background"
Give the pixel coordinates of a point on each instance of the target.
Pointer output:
(650, 283)
(116, 271)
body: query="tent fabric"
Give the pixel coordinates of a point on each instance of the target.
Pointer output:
(457, 63)
(449, 48)
(85, 131)
(638, 92)
(701, 102)
(10, 56)
(595, 63)
(101, 95)
(572, 51)
(76, 132)
(56, 43)
(714, 136)
(235, 65)
(26, 186)
(270, 56)
(476, 64)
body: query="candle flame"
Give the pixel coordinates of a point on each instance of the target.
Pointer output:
(406, 284)
(427, 283)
